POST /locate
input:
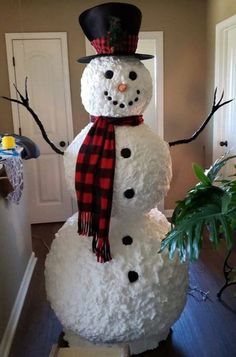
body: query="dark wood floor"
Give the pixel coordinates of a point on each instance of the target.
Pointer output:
(205, 329)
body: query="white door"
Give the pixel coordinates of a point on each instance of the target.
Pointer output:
(225, 79)
(43, 59)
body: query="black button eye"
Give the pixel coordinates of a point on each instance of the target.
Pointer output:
(132, 75)
(108, 74)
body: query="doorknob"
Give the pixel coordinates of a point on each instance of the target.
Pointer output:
(224, 143)
(62, 144)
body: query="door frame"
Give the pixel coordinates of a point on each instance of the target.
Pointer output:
(158, 93)
(222, 29)
(10, 37)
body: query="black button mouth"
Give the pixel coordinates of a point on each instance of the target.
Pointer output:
(121, 105)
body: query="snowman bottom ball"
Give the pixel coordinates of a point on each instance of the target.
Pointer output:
(136, 296)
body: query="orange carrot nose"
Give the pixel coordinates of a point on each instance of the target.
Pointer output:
(122, 87)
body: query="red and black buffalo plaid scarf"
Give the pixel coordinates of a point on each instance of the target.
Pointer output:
(95, 168)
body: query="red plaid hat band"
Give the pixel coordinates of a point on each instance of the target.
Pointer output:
(128, 45)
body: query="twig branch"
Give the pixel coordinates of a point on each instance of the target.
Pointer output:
(25, 102)
(215, 107)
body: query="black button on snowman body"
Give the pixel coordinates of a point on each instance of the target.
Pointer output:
(129, 193)
(133, 276)
(127, 240)
(125, 153)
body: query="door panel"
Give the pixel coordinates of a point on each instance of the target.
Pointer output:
(224, 122)
(41, 60)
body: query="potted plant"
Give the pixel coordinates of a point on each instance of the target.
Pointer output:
(208, 210)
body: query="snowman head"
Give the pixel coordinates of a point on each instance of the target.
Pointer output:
(116, 86)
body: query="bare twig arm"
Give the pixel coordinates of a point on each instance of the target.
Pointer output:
(25, 102)
(214, 108)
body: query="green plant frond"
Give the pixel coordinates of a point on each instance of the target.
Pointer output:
(232, 218)
(197, 243)
(172, 249)
(187, 235)
(225, 202)
(227, 231)
(199, 172)
(196, 201)
(206, 207)
(212, 227)
(171, 241)
(212, 172)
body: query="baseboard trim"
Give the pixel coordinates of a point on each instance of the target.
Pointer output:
(168, 213)
(17, 307)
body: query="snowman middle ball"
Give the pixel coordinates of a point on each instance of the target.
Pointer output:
(116, 87)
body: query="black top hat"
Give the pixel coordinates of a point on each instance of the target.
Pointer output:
(112, 29)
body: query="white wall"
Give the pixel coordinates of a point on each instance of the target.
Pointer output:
(15, 252)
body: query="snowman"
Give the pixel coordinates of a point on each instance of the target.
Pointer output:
(105, 278)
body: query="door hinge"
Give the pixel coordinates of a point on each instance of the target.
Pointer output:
(13, 61)
(20, 131)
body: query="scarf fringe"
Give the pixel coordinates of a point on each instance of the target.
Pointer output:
(101, 248)
(86, 224)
